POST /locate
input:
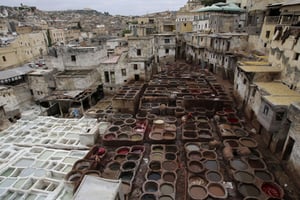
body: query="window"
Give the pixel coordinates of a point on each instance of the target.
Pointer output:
(112, 77)
(245, 81)
(3, 58)
(135, 66)
(167, 51)
(167, 41)
(267, 34)
(106, 76)
(266, 110)
(253, 92)
(279, 116)
(138, 52)
(265, 44)
(297, 55)
(123, 71)
(73, 58)
(184, 24)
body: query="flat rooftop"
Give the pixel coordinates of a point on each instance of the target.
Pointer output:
(257, 63)
(112, 60)
(276, 88)
(258, 68)
(282, 100)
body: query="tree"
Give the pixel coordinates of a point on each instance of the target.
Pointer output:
(125, 32)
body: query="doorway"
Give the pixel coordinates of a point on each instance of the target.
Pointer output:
(136, 77)
(288, 149)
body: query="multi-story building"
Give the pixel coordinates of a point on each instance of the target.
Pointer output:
(165, 47)
(141, 56)
(57, 36)
(24, 48)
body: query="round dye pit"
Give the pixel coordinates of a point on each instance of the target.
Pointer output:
(248, 190)
(114, 166)
(211, 165)
(190, 134)
(195, 155)
(114, 129)
(256, 163)
(214, 176)
(126, 176)
(158, 148)
(136, 137)
(216, 190)
(272, 190)
(120, 158)
(170, 156)
(157, 156)
(148, 197)
(169, 177)
(133, 156)
(151, 186)
(137, 149)
(155, 165)
(123, 150)
(192, 147)
(171, 149)
(165, 197)
(195, 166)
(248, 142)
(210, 155)
(231, 143)
(169, 165)
(129, 165)
(153, 176)
(109, 136)
(263, 175)
(118, 123)
(197, 192)
(197, 180)
(166, 189)
(238, 164)
(123, 136)
(244, 177)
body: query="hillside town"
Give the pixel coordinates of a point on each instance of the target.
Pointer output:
(198, 103)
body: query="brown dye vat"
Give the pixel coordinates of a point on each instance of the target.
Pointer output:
(154, 176)
(190, 134)
(214, 176)
(129, 165)
(256, 153)
(114, 166)
(166, 189)
(197, 192)
(168, 135)
(155, 165)
(150, 186)
(141, 115)
(170, 156)
(203, 133)
(197, 180)
(171, 120)
(189, 127)
(169, 165)
(216, 190)
(204, 126)
(195, 155)
(238, 164)
(211, 165)
(249, 190)
(127, 129)
(256, 163)
(209, 155)
(137, 149)
(264, 175)
(130, 122)
(248, 142)
(244, 177)
(231, 143)
(169, 177)
(171, 149)
(195, 166)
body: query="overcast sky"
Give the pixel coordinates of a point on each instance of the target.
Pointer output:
(122, 7)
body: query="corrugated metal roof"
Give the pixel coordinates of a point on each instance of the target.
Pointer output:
(255, 68)
(18, 71)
